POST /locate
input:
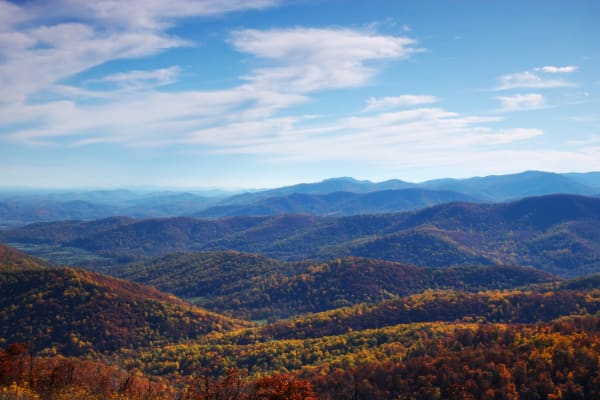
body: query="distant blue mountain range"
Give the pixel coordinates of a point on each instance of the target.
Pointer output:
(331, 197)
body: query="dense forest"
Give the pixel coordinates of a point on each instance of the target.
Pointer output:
(555, 233)
(231, 309)
(524, 334)
(13, 260)
(256, 287)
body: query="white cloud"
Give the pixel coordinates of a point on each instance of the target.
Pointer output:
(286, 66)
(152, 119)
(298, 61)
(511, 136)
(386, 103)
(437, 139)
(11, 15)
(557, 70)
(47, 50)
(521, 102)
(306, 59)
(386, 138)
(528, 79)
(144, 79)
(61, 51)
(138, 14)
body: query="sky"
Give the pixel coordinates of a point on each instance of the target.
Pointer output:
(265, 93)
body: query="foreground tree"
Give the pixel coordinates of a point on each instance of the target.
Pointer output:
(282, 387)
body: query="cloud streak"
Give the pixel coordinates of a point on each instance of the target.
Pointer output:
(144, 79)
(530, 80)
(384, 138)
(39, 53)
(298, 61)
(307, 59)
(521, 102)
(557, 70)
(407, 100)
(47, 50)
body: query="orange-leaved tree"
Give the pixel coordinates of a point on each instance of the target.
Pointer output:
(282, 387)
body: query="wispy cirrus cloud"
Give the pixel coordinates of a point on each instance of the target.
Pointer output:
(530, 80)
(521, 102)
(149, 15)
(551, 69)
(309, 59)
(298, 61)
(144, 79)
(285, 67)
(385, 138)
(39, 49)
(386, 103)
(58, 52)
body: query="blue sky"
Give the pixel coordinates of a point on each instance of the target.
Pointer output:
(263, 93)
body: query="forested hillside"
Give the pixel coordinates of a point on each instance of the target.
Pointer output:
(254, 287)
(77, 312)
(542, 339)
(555, 233)
(457, 301)
(13, 260)
(339, 203)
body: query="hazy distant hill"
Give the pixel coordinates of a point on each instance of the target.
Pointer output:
(556, 233)
(506, 187)
(591, 179)
(327, 186)
(336, 196)
(82, 312)
(340, 203)
(257, 287)
(493, 188)
(27, 208)
(18, 211)
(63, 231)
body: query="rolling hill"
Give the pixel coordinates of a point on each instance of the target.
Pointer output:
(255, 287)
(449, 306)
(590, 179)
(20, 207)
(204, 275)
(555, 233)
(496, 188)
(339, 203)
(80, 312)
(327, 186)
(20, 211)
(13, 260)
(23, 207)
(350, 281)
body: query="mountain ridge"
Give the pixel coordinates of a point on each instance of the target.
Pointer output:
(556, 233)
(339, 203)
(258, 288)
(20, 207)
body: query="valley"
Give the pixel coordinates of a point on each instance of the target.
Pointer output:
(325, 306)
